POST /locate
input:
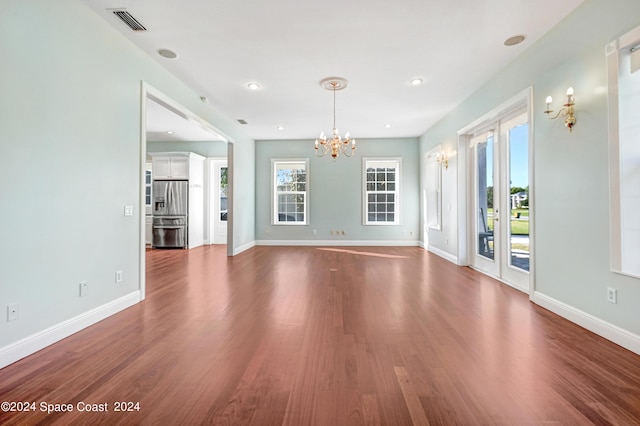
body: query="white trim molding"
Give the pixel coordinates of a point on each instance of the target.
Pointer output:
(443, 254)
(40, 340)
(244, 247)
(340, 243)
(596, 325)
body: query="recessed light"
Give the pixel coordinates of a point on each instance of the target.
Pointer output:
(169, 132)
(387, 126)
(280, 128)
(253, 86)
(416, 81)
(512, 41)
(166, 53)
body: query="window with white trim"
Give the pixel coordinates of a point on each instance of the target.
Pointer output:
(433, 188)
(381, 183)
(290, 191)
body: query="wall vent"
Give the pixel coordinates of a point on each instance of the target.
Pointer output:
(241, 121)
(128, 19)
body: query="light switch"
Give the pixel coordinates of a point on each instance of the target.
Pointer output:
(128, 210)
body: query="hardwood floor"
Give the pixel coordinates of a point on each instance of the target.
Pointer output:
(327, 336)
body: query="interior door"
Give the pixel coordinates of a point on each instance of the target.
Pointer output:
(501, 238)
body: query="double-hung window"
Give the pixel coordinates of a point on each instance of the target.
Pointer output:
(290, 191)
(381, 182)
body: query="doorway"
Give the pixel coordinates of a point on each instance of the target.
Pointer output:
(499, 206)
(219, 206)
(184, 120)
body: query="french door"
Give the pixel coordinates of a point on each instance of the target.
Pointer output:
(500, 222)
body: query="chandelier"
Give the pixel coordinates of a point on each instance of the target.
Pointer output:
(335, 145)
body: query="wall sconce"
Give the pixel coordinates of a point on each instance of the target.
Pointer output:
(567, 111)
(443, 160)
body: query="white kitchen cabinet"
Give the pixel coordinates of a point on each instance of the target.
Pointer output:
(170, 167)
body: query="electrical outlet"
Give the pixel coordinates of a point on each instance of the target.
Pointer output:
(315, 232)
(84, 288)
(612, 295)
(12, 312)
(118, 276)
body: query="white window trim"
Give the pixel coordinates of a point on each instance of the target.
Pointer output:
(433, 194)
(274, 192)
(624, 245)
(398, 191)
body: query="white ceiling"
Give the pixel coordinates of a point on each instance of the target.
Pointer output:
(288, 46)
(164, 125)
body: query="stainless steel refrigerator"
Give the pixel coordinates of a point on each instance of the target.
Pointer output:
(170, 213)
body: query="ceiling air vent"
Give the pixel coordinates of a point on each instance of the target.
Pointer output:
(129, 20)
(241, 121)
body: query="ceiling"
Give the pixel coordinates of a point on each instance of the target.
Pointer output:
(164, 125)
(379, 46)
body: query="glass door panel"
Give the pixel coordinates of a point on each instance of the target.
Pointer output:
(519, 252)
(485, 225)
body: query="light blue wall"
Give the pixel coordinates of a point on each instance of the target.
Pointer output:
(335, 192)
(70, 132)
(571, 187)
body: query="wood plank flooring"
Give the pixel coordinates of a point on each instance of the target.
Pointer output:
(327, 336)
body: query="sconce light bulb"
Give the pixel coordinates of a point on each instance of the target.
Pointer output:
(549, 99)
(570, 91)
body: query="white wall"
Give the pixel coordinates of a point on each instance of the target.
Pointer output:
(571, 170)
(70, 135)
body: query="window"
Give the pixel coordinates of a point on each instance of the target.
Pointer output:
(433, 189)
(381, 182)
(224, 183)
(290, 191)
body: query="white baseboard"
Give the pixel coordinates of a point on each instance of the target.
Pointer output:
(31, 344)
(339, 243)
(602, 328)
(443, 254)
(243, 247)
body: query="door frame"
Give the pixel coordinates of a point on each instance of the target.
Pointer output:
(466, 190)
(147, 91)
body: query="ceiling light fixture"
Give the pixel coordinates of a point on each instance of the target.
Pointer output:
(166, 53)
(336, 145)
(281, 128)
(416, 81)
(253, 86)
(387, 126)
(512, 41)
